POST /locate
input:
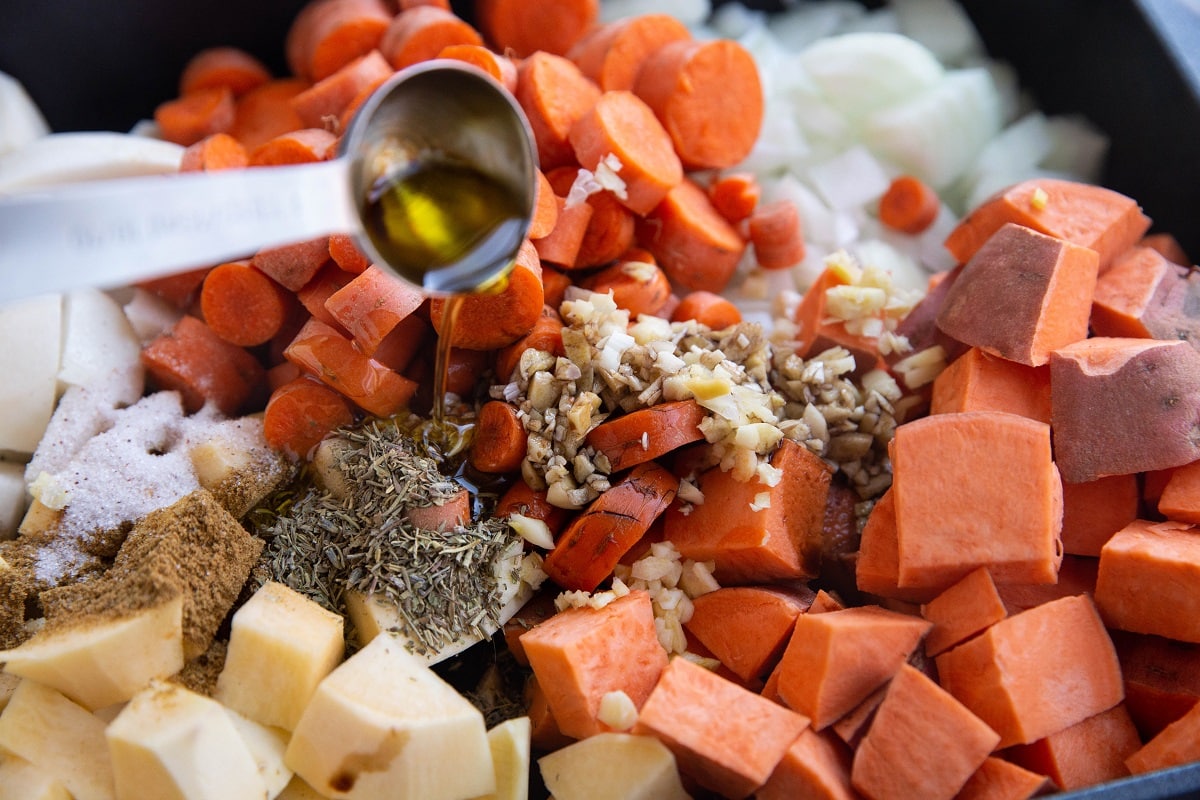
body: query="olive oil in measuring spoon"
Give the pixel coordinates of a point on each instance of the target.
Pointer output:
(442, 219)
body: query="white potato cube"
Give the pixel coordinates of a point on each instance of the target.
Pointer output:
(384, 725)
(100, 349)
(298, 789)
(281, 645)
(373, 614)
(22, 780)
(31, 330)
(608, 766)
(8, 681)
(171, 742)
(509, 743)
(267, 747)
(60, 737)
(104, 661)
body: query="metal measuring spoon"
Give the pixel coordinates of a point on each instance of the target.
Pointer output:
(117, 232)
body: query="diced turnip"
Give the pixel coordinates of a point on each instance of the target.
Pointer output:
(80, 156)
(100, 349)
(149, 315)
(31, 330)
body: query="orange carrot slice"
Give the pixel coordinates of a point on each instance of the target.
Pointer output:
(708, 96)
(612, 54)
(371, 304)
(219, 151)
(775, 231)
(422, 32)
(524, 27)
(188, 118)
(553, 93)
(492, 321)
(500, 439)
(204, 368)
(648, 433)
(241, 304)
(301, 413)
(328, 34)
(320, 350)
(622, 125)
(230, 67)
(595, 540)
(707, 308)
(909, 205)
(695, 246)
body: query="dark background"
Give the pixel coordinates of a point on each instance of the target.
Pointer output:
(1131, 67)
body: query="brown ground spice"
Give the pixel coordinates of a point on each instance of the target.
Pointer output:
(19, 584)
(194, 546)
(200, 674)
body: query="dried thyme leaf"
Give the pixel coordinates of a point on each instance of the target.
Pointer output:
(445, 584)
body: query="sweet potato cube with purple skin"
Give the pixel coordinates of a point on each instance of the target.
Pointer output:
(1143, 295)
(1121, 406)
(1022, 295)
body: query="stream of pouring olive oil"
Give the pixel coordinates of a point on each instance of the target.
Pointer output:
(430, 215)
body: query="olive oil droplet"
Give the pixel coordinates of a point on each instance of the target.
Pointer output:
(434, 214)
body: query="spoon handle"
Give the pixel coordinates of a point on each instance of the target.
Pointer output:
(113, 233)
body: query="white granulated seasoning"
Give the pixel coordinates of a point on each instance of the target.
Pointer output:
(138, 464)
